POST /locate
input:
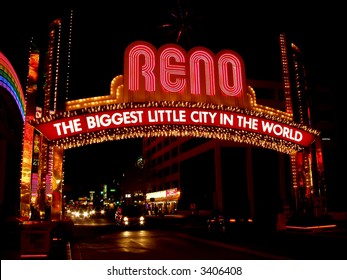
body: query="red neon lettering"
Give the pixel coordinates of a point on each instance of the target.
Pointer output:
(146, 68)
(196, 58)
(180, 72)
(235, 88)
(172, 76)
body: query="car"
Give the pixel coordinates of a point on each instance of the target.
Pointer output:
(215, 222)
(98, 211)
(80, 213)
(239, 224)
(130, 216)
(229, 223)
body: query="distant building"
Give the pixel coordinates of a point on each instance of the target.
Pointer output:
(210, 174)
(215, 174)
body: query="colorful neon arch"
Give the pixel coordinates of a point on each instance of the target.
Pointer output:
(9, 81)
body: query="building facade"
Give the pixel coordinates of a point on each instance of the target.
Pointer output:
(245, 180)
(211, 174)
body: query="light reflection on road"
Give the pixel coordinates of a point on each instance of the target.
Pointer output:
(134, 241)
(160, 244)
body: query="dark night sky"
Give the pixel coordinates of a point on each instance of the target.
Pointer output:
(102, 30)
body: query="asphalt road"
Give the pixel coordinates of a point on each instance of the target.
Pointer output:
(180, 238)
(174, 238)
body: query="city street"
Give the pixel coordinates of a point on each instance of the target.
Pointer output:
(177, 238)
(152, 244)
(183, 238)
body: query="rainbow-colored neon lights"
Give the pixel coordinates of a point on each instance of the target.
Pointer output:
(9, 81)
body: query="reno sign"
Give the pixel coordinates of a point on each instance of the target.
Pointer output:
(170, 73)
(171, 92)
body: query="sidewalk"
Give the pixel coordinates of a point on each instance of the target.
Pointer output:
(35, 239)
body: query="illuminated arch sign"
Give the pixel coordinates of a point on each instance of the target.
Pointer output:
(168, 92)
